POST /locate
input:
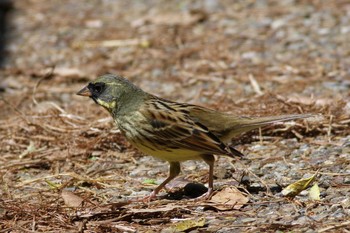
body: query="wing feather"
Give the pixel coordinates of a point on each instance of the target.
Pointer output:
(171, 126)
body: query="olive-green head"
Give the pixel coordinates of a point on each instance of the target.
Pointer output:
(112, 92)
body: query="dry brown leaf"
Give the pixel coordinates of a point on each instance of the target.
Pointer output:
(70, 199)
(228, 198)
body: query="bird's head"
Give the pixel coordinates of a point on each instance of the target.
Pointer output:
(111, 91)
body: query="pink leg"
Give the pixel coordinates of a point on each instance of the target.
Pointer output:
(175, 169)
(210, 160)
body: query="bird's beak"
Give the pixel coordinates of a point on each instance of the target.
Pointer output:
(85, 92)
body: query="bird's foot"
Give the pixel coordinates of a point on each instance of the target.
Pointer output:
(150, 197)
(146, 199)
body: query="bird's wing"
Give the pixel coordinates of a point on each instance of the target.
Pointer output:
(171, 126)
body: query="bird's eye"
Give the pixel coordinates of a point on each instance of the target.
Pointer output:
(98, 88)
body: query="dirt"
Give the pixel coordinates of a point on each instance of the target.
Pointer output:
(65, 167)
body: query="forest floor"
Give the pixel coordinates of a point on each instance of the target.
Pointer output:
(65, 167)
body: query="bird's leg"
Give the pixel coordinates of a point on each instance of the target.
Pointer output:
(174, 170)
(210, 160)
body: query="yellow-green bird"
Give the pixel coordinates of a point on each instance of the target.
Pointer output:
(172, 131)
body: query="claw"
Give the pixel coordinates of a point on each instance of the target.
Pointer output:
(149, 198)
(146, 199)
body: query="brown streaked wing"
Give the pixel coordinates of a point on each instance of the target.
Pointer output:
(170, 125)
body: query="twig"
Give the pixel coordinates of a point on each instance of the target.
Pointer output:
(329, 128)
(33, 224)
(21, 114)
(112, 43)
(260, 136)
(71, 174)
(255, 85)
(124, 228)
(307, 170)
(6, 229)
(252, 173)
(46, 76)
(17, 163)
(298, 135)
(326, 229)
(116, 219)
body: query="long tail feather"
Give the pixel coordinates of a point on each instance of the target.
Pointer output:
(262, 121)
(247, 124)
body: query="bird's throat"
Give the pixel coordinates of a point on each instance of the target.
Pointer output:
(108, 105)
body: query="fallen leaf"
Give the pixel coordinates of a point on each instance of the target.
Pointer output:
(149, 181)
(52, 185)
(228, 198)
(314, 193)
(189, 224)
(294, 189)
(70, 199)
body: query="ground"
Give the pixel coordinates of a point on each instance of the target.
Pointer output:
(65, 167)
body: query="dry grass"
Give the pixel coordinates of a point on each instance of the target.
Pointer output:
(238, 57)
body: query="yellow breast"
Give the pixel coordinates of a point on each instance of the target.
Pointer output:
(158, 151)
(171, 155)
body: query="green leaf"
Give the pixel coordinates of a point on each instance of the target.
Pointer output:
(150, 181)
(52, 185)
(93, 158)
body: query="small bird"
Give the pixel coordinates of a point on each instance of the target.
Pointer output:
(172, 131)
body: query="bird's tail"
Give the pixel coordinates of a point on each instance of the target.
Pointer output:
(246, 124)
